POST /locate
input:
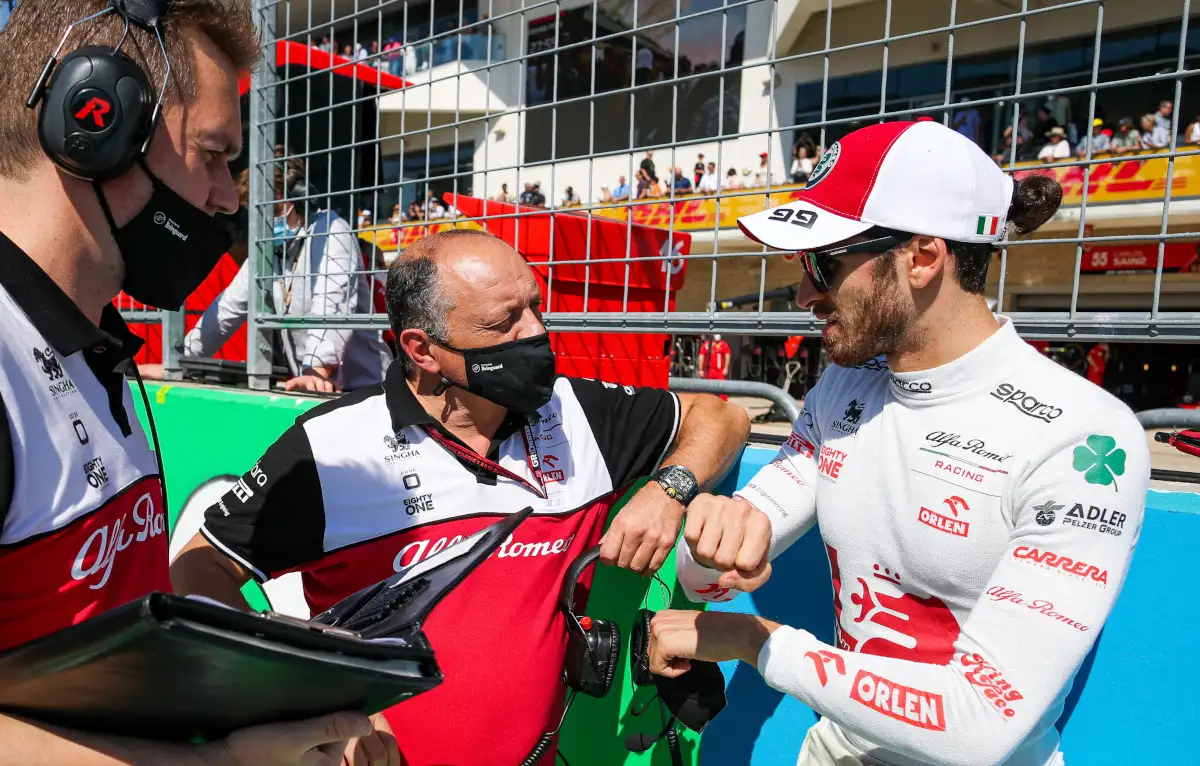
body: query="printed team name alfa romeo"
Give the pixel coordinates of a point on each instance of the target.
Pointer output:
(419, 550)
(99, 551)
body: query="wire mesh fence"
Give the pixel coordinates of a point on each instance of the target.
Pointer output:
(614, 143)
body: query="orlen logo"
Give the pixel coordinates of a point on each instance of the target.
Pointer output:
(1026, 403)
(904, 703)
(100, 550)
(1063, 563)
(943, 523)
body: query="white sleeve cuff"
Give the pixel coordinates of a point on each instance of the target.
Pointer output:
(781, 656)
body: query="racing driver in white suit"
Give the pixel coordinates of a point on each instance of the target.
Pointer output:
(979, 504)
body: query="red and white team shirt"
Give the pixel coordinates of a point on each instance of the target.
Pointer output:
(370, 484)
(80, 498)
(979, 520)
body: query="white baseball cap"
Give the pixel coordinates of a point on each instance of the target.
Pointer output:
(916, 177)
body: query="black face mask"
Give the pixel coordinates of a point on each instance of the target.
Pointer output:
(168, 248)
(518, 375)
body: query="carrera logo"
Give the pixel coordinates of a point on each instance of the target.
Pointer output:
(1065, 564)
(99, 552)
(903, 703)
(1026, 403)
(912, 386)
(803, 446)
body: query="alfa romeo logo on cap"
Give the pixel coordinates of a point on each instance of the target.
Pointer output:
(825, 164)
(160, 218)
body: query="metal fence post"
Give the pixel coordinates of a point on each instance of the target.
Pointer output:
(261, 198)
(172, 344)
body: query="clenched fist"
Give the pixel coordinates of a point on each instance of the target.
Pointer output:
(731, 536)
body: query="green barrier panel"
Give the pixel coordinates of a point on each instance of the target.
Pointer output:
(210, 432)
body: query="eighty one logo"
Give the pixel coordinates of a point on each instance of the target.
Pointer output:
(100, 550)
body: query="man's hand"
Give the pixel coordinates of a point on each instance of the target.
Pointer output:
(644, 532)
(320, 381)
(732, 536)
(378, 748)
(680, 635)
(315, 742)
(150, 371)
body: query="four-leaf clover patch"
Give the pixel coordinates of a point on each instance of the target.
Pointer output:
(1100, 461)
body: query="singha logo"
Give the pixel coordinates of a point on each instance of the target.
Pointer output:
(854, 411)
(394, 443)
(49, 362)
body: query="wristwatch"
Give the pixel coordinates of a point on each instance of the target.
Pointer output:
(678, 482)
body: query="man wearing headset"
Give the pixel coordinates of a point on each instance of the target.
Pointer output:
(99, 192)
(979, 504)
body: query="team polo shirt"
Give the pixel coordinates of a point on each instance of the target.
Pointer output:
(80, 498)
(368, 485)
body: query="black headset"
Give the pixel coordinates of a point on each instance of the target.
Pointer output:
(593, 646)
(98, 106)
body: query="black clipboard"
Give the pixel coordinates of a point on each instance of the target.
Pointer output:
(173, 668)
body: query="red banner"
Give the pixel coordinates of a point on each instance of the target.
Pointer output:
(1177, 256)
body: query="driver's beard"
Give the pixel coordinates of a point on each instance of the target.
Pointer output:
(878, 324)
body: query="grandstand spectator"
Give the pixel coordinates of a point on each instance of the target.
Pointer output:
(698, 170)
(731, 180)
(967, 122)
(396, 216)
(763, 176)
(360, 53)
(538, 199)
(1162, 118)
(622, 190)
(710, 182)
(644, 184)
(1058, 148)
(317, 263)
(1060, 109)
(1041, 130)
(570, 197)
(1098, 141)
(1154, 135)
(605, 193)
(682, 184)
(364, 218)
(414, 211)
(502, 195)
(375, 59)
(325, 45)
(648, 163)
(1127, 138)
(802, 165)
(348, 51)
(1191, 134)
(527, 194)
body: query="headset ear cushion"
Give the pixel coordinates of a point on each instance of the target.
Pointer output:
(611, 633)
(96, 113)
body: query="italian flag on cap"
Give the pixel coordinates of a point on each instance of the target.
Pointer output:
(987, 224)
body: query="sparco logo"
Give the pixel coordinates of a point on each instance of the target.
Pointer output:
(1026, 403)
(966, 444)
(100, 550)
(161, 219)
(912, 386)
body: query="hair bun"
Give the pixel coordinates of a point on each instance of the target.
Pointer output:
(1035, 200)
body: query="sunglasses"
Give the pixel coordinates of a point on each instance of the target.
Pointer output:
(821, 266)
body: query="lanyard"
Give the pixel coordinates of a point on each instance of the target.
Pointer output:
(475, 459)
